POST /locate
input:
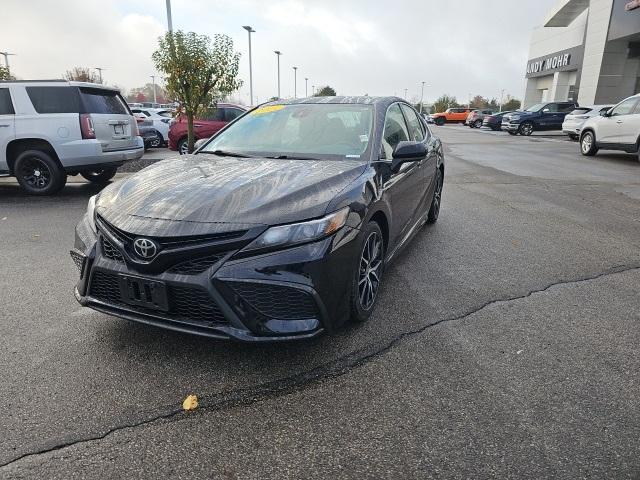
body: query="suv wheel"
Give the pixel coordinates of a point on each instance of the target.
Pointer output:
(38, 173)
(156, 141)
(368, 275)
(100, 176)
(434, 211)
(588, 146)
(526, 129)
(183, 146)
(477, 124)
(440, 121)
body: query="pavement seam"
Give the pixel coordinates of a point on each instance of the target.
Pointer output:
(295, 383)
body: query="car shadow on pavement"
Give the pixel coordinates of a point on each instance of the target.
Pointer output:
(11, 189)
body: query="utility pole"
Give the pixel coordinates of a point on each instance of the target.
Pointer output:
(295, 82)
(278, 53)
(99, 69)
(501, 98)
(6, 60)
(306, 90)
(153, 79)
(313, 89)
(422, 97)
(169, 22)
(250, 31)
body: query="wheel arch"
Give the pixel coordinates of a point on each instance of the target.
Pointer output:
(381, 219)
(17, 146)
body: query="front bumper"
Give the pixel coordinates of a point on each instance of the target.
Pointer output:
(290, 294)
(510, 127)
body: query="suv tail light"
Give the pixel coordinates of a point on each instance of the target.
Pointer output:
(136, 130)
(86, 126)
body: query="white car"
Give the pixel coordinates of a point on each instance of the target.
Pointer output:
(161, 117)
(616, 129)
(575, 120)
(51, 129)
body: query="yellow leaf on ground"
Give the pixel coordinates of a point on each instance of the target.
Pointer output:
(190, 403)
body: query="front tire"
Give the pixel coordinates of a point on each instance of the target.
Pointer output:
(368, 274)
(183, 146)
(100, 176)
(38, 173)
(156, 141)
(440, 121)
(526, 129)
(477, 124)
(588, 146)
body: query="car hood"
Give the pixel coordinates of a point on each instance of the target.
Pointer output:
(225, 194)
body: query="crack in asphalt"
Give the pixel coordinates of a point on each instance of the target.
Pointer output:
(294, 383)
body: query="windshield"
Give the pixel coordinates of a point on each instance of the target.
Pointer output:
(536, 108)
(300, 130)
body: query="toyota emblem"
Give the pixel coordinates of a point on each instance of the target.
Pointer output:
(145, 248)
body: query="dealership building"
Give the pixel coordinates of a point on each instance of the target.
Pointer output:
(586, 51)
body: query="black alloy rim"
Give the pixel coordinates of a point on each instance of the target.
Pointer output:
(35, 173)
(526, 129)
(370, 270)
(437, 196)
(156, 141)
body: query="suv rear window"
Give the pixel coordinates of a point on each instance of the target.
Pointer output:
(580, 111)
(54, 99)
(103, 101)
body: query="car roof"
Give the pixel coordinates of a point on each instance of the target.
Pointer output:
(59, 83)
(356, 100)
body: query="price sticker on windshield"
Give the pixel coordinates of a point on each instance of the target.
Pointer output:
(267, 109)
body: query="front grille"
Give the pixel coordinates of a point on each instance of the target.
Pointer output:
(109, 250)
(185, 303)
(277, 301)
(194, 267)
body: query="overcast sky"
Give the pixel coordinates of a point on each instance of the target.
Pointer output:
(356, 46)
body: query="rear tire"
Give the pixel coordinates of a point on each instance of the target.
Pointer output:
(100, 176)
(588, 146)
(477, 124)
(183, 146)
(38, 173)
(156, 141)
(440, 121)
(367, 277)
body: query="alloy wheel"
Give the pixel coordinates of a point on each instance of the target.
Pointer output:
(156, 141)
(370, 270)
(437, 195)
(526, 129)
(35, 173)
(183, 148)
(586, 143)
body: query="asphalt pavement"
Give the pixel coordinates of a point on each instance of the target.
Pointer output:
(505, 345)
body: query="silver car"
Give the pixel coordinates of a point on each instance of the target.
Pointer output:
(574, 121)
(51, 129)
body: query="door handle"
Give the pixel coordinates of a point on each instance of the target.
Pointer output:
(619, 121)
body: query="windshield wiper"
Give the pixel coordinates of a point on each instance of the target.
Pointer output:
(226, 153)
(291, 157)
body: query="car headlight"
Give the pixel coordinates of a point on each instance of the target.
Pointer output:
(296, 233)
(514, 119)
(91, 213)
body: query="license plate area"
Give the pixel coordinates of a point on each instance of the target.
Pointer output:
(118, 129)
(142, 292)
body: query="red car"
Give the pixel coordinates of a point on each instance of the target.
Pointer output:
(202, 127)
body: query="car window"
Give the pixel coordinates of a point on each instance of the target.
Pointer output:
(307, 130)
(6, 107)
(95, 100)
(566, 107)
(624, 108)
(395, 130)
(216, 115)
(414, 123)
(54, 99)
(550, 108)
(580, 111)
(231, 114)
(604, 109)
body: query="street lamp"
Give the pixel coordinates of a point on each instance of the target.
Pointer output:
(313, 89)
(306, 84)
(501, 98)
(6, 60)
(169, 23)
(153, 79)
(250, 31)
(422, 96)
(278, 53)
(295, 82)
(99, 69)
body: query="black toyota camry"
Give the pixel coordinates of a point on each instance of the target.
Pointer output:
(278, 228)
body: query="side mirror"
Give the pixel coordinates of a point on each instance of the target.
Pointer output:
(407, 152)
(605, 113)
(545, 110)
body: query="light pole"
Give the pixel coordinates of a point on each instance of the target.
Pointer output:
(295, 82)
(153, 79)
(422, 97)
(306, 85)
(313, 89)
(169, 23)
(99, 69)
(6, 60)
(250, 31)
(278, 53)
(501, 98)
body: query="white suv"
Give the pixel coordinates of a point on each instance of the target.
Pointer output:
(51, 129)
(615, 129)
